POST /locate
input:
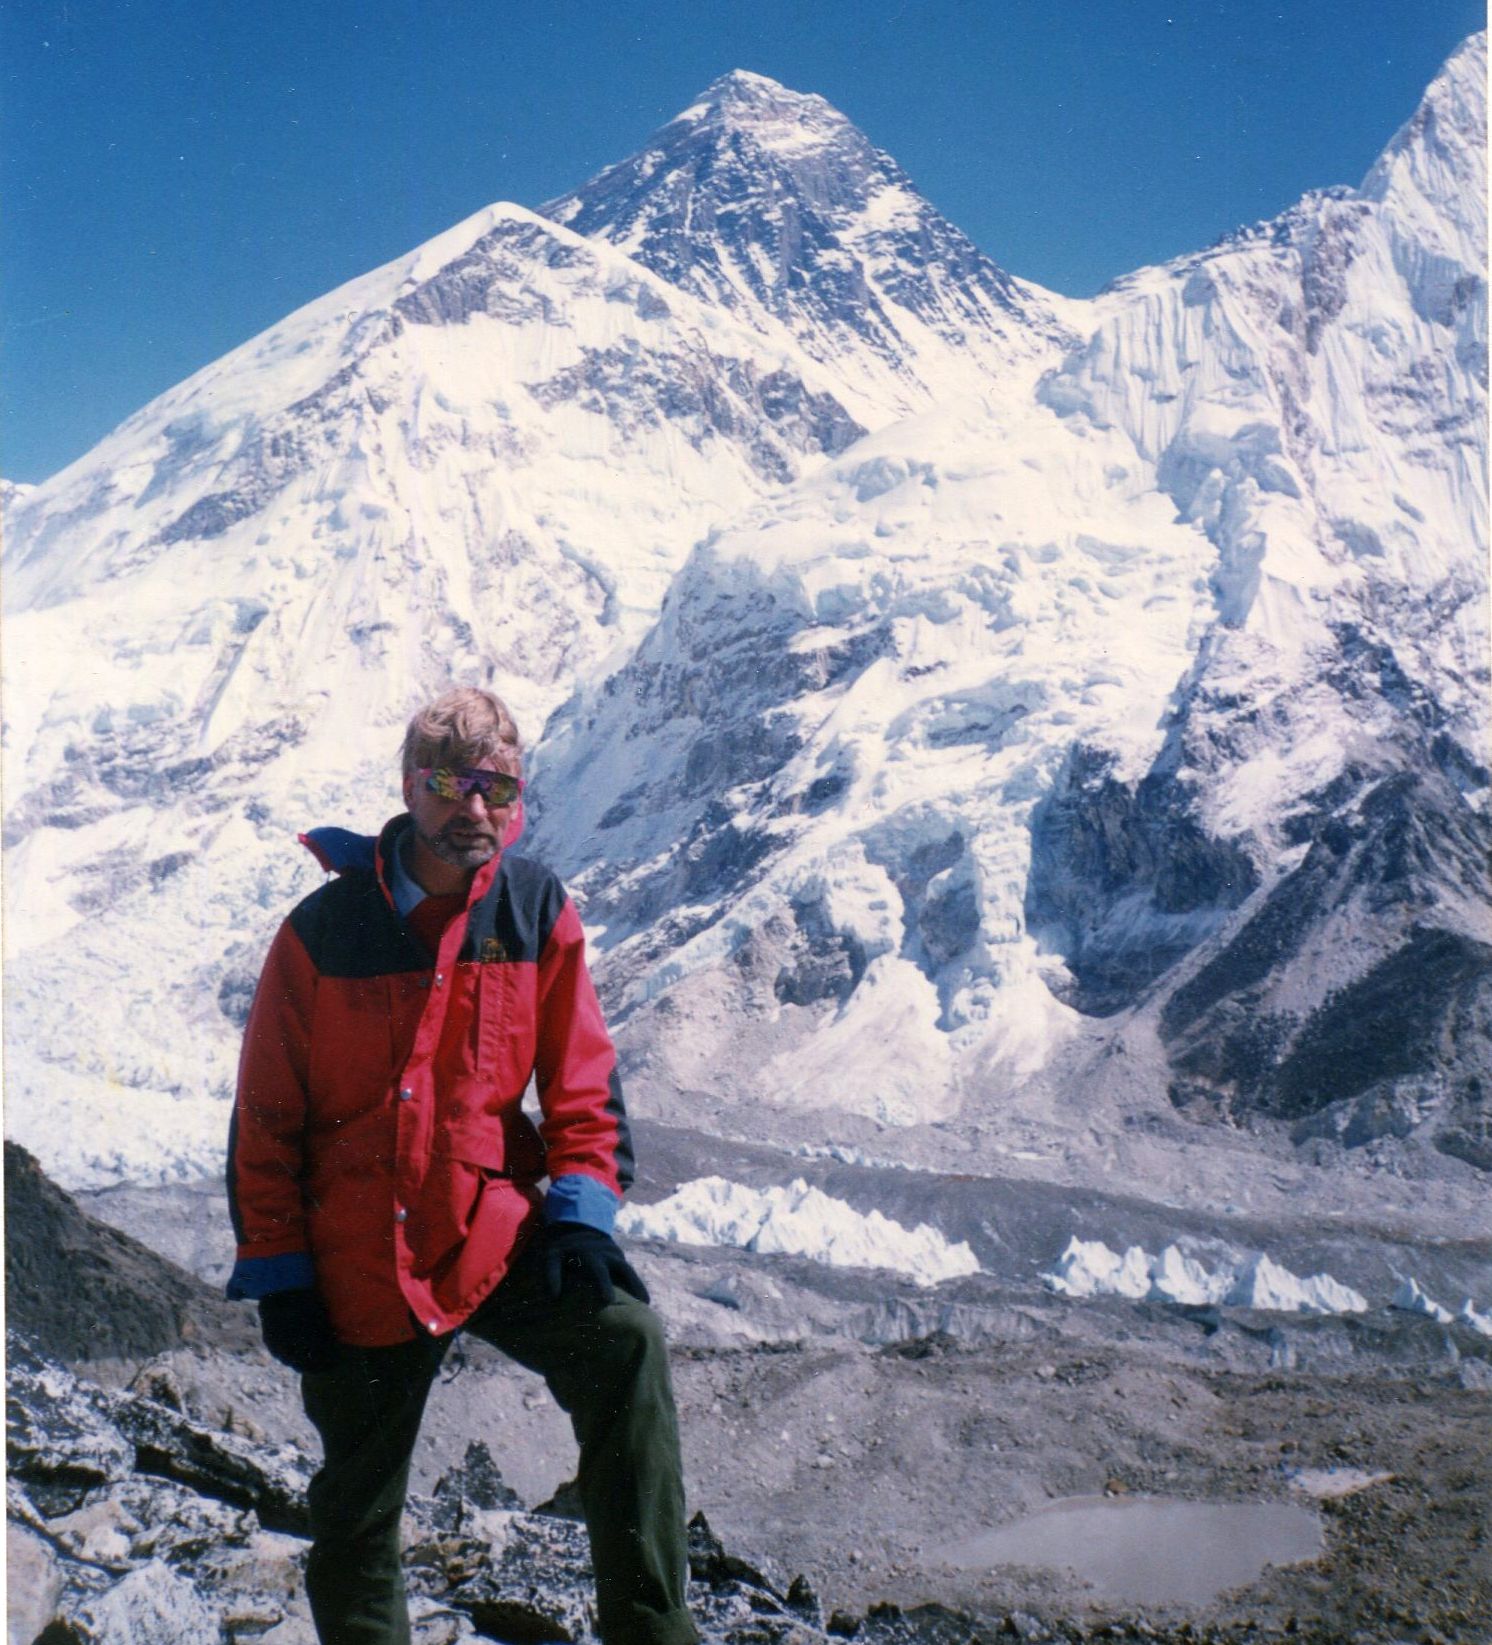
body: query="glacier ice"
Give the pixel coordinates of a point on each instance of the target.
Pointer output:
(798, 1220)
(1088, 1268)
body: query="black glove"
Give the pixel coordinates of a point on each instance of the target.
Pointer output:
(575, 1250)
(297, 1330)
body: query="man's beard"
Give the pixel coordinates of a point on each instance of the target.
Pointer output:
(479, 846)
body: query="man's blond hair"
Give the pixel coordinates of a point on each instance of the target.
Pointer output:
(463, 726)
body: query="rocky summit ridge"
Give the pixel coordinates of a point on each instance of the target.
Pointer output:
(1010, 728)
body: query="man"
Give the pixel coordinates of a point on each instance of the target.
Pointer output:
(383, 1180)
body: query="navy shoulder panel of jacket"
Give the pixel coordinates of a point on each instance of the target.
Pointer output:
(338, 849)
(518, 913)
(349, 928)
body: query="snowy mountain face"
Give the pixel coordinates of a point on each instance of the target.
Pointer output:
(1136, 713)
(771, 205)
(1319, 413)
(1060, 724)
(483, 462)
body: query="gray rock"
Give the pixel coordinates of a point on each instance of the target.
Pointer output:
(151, 1603)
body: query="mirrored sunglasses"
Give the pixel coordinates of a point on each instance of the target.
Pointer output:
(496, 788)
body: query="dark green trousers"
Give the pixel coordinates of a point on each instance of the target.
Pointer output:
(607, 1367)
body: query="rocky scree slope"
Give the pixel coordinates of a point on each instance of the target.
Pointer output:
(128, 1521)
(129, 1518)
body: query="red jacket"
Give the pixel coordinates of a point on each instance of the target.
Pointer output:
(378, 1148)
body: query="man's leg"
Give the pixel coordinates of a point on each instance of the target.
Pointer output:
(367, 1412)
(608, 1368)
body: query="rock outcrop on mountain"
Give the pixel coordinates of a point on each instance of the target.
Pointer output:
(961, 693)
(11, 493)
(81, 1291)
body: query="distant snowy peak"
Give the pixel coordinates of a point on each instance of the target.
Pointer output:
(774, 205)
(1428, 188)
(502, 346)
(792, 122)
(1434, 169)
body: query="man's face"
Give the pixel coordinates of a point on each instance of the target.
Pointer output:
(464, 833)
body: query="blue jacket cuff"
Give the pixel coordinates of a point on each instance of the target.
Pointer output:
(255, 1277)
(576, 1198)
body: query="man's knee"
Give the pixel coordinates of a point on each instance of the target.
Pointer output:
(633, 1333)
(620, 1353)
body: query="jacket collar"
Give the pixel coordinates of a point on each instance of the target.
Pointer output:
(340, 850)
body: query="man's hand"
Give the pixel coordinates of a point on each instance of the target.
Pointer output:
(576, 1252)
(297, 1330)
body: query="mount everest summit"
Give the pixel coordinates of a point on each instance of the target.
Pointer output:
(771, 205)
(1020, 729)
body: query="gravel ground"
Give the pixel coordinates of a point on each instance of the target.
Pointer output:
(892, 1458)
(862, 1468)
(832, 1429)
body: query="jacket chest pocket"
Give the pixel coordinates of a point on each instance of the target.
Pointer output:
(499, 1035)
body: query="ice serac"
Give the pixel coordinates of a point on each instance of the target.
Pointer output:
(771, 204)
(802, 812)
(1110, 744)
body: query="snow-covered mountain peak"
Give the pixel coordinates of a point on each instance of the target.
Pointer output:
(1450, 119)
(504, 315)
(827, 156)
(960, 685)
(766, 106)
(744, 115)
(775, 206)
(746, 88)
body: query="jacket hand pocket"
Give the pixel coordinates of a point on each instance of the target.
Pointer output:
(476, 1158)
(476, 1142)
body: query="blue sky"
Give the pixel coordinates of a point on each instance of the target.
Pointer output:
(178, 176)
